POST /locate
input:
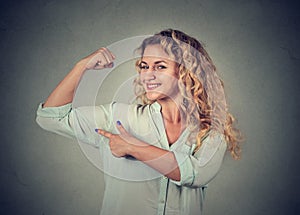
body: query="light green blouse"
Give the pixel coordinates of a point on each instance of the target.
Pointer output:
(132, 187)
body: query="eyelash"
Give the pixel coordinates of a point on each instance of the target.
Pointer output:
(158, 67)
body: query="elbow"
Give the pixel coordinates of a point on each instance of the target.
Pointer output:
(39, 121)
(44, 123)
(198, 176)
(195, 182)
(175, 175)
(203, 176)
(202, 181)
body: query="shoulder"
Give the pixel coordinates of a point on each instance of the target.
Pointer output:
(214, 140)
(135, 109)
(136, 118)
(213, 134)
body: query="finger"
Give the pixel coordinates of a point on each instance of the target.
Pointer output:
(109, 54)
(98, 61)
(108, 60)
(113, 57)
(121, 128)
(110, 65)
(103, 133)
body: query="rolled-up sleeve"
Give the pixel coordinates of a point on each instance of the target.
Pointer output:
(199, 169)
(77, 123)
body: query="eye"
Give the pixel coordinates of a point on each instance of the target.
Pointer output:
(143, 66)
(161, 67)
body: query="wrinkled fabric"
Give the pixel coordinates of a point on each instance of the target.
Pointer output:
(131, 187)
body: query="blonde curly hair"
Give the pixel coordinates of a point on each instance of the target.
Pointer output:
(203, 98)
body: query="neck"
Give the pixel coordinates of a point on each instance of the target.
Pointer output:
(170, 110)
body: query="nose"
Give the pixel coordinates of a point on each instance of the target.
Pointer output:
(148, 76)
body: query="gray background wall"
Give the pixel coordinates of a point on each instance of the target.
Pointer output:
(255, 45)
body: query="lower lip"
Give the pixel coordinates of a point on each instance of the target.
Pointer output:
(152, 87)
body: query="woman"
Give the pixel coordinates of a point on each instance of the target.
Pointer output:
(180, 128)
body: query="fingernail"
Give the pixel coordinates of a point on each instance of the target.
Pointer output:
(96, 129)
(110, 65)
(118, 122)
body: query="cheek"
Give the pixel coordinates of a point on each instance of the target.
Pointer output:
(142, 79)
(145, 76)
(141, 75)
(169, 88)
(170, 81)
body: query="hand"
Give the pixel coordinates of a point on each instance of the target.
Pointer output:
(102, 58)
(120, 144)
(126, 145)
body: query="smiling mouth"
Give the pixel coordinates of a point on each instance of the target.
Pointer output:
(152, 86)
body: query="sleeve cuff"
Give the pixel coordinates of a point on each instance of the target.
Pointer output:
(185, 167)
(54, 112)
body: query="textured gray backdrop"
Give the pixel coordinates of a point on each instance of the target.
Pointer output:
(255, 45)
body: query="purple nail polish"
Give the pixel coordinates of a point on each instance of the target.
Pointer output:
(96, 129)
(118, 122)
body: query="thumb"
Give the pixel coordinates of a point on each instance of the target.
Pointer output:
(121, 128)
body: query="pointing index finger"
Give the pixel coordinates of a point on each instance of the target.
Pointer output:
(103, 133)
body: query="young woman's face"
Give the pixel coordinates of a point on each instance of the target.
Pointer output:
(159, 74)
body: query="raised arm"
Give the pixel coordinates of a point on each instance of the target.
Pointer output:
(64, 92)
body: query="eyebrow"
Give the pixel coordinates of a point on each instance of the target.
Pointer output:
(156, 62)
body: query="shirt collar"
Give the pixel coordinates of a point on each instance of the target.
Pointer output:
(155, 107)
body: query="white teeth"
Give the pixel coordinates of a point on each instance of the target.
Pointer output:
(152, 86)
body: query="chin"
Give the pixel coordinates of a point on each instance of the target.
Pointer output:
(153, 96)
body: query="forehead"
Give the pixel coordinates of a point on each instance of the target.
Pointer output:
(155, 52)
